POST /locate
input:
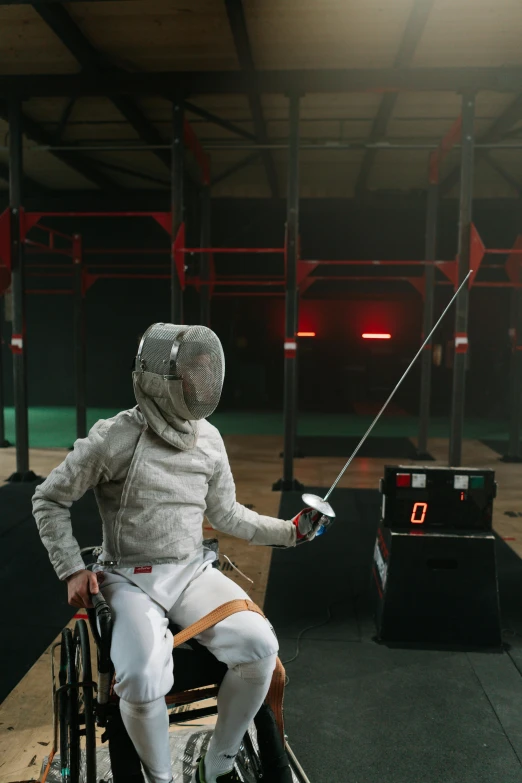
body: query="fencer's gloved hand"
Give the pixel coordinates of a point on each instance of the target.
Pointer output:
(310, 523)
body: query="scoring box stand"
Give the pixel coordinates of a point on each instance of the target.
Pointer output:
(434, 563)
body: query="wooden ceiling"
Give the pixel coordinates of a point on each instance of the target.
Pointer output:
(197, 35)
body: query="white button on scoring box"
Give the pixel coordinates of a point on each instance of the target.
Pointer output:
(418, 480)
(461, 482)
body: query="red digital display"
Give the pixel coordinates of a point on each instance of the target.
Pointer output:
(419, 513)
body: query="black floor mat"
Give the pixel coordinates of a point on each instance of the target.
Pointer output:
(500, 446)
(337, 446)
(34, 601)
(360, 711)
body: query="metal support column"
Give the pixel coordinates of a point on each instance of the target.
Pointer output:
(462, 304)
(3, 442)
(290, 348)
(515, 376)
(177, 207)
(204, 301)
(429, 296)
(79, 339)
(18, 345)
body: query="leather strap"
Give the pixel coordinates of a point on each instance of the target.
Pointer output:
(275, 696)
(221, 613)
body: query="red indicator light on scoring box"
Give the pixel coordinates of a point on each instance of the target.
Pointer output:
(403, 479)
(376, 336)
(306, 334)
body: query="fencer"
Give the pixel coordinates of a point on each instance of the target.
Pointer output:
(156, 470)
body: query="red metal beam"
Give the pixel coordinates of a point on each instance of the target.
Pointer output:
(237, 281)
(134, 213)
(280, 250)
(513, 251)
(123, 276)
(363, 277)
(249, 293)
(369, 262)
(39, 247)
(476, 256)
(513, 261)
(102, 251)
(53, 232)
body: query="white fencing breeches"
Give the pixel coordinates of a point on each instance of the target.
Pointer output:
(141, 649)
(141, 652)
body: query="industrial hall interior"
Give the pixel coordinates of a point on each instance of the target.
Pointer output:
(261, 391)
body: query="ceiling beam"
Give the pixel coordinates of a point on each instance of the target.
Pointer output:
(215, 120)
(133, 173)
(80, 163)
(412, 34)
(96, 63)
(504, 79)
(238, 26)
(498, 128)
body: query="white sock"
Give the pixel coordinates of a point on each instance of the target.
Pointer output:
(148, 727)
(241, 694)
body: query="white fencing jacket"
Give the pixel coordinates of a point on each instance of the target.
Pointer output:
(151, 495)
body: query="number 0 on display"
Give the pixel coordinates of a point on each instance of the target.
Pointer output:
(419, 513)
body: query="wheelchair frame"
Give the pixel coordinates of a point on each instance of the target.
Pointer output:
(80, 704)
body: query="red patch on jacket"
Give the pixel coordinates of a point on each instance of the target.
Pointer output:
(143, 570)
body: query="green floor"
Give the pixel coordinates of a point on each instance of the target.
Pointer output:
(55, 427)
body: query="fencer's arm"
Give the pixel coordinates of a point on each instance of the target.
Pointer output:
(81, 470)
(227, 515)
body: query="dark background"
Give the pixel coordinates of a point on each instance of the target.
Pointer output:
(337, 367)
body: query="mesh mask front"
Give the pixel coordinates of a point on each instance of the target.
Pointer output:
(190, 356)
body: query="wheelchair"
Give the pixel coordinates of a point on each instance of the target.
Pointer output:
(81, 705)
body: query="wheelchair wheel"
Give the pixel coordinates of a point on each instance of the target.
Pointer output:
(68, 711)
(85, 702)
(76, 708)
(248, 761)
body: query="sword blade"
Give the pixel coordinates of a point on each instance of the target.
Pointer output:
(426, 341)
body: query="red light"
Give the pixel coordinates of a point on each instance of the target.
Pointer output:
(462, 495)
(376, 336)
(306, 334)
(422, 508)
(403, 479)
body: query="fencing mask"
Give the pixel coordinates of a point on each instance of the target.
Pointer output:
(178, 379)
